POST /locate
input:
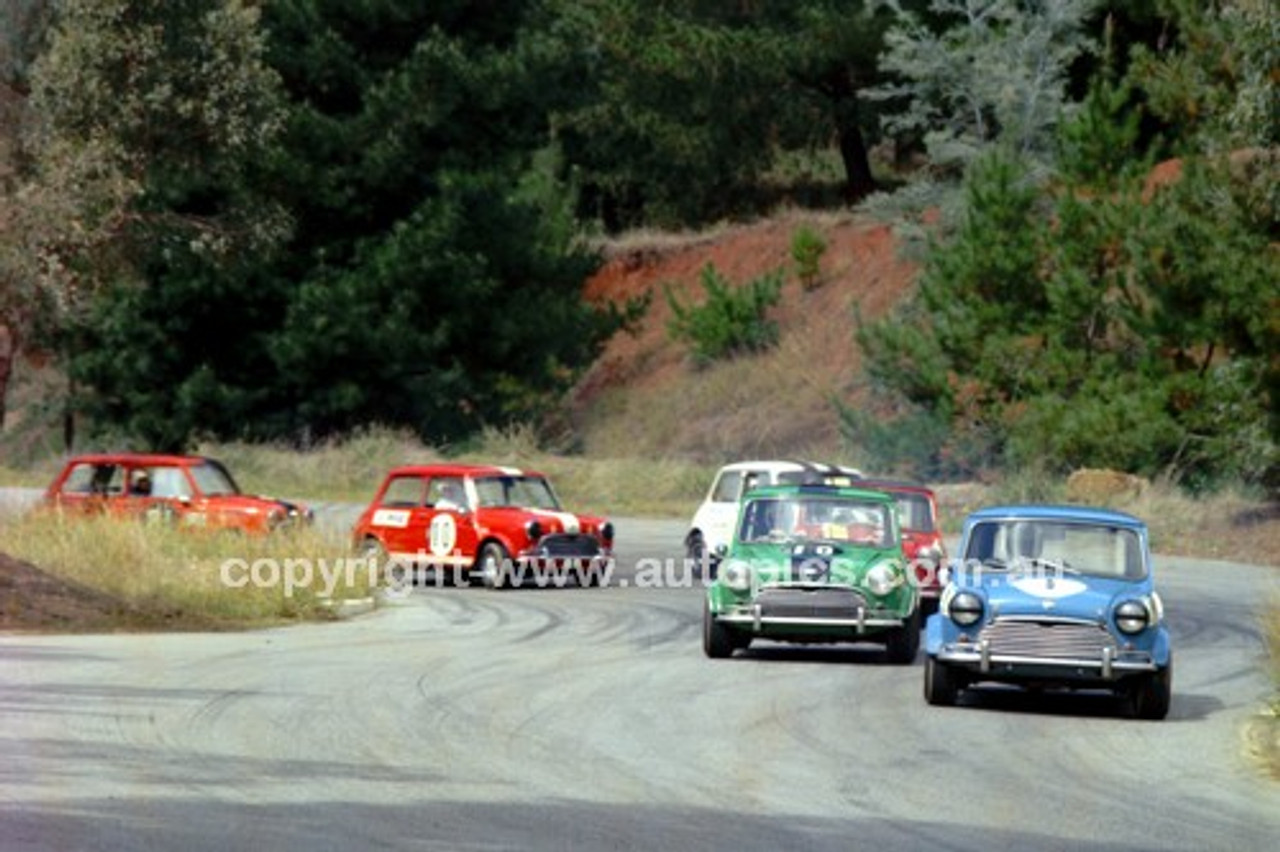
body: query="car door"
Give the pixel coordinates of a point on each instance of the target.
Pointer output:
(448, 518)
(175, 496)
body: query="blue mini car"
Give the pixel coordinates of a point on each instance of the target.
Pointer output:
(1052, 596)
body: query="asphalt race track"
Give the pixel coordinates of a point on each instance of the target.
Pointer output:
(589, 719)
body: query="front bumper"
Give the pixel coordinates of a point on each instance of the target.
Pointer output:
(820, 610)
(1109, 665)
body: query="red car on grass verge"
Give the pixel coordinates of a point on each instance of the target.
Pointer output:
(193, 491)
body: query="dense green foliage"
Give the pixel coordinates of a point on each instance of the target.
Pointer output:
(430, 273)
(732, 320)
(1096, 320)
(685, 104)
(295, 218)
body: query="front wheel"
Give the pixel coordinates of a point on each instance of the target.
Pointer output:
(904, 642)
(717, 640)
(494, 565)
(941, 686)
(1150, 695)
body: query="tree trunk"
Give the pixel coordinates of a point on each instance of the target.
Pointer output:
(858, 182)
(8, 352)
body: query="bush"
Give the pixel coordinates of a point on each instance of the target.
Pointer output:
(807, 248)
(731, 321)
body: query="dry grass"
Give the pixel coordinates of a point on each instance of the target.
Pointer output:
(350, 471)
(1263, 733)
(345, 470)
(167, 576)
(729, 410)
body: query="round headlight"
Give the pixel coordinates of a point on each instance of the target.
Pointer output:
(736, 574)
(883, 579)
(965, 608)
(1132, 616)
(534, 530)
(606, 531)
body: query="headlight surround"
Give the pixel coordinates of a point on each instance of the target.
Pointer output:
(965, 608)
(1132, 616)
(606, 533)
(533, 529)
(883, 579)
(931, 553)
(736, 574)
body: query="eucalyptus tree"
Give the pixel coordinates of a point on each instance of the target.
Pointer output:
(150, 121)
(972, 73)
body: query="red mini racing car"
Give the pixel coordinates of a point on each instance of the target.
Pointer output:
(496, 525)
(922, 543)
(191, 490)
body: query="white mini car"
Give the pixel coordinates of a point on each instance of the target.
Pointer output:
(712, 525)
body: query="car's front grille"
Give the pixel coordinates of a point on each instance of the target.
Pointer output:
(810, 603)
(1046, 638)
(569, 544)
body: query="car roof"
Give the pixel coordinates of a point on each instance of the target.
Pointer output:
(1064, 512)
(896, 485)
(150, 459)
(790, 465)
(449, 469)
(807, 490)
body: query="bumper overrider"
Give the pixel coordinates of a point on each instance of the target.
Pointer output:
(823, 608)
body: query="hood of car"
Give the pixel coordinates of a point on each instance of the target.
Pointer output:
(550, 521)
(248, 504)
(1038, 593)
(811, 562)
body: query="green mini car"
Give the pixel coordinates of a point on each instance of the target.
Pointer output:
(814, 564)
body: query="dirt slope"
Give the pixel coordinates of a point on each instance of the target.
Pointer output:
(643, 396)
(31, 599)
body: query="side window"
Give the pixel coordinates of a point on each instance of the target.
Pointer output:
(170, 483)
(787, 477)
(754, 479)
(107, 479)
(728, 487)
(447, 492)
(80, 480)
(403, 492)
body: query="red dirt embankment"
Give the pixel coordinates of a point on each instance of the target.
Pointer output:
(644, 396)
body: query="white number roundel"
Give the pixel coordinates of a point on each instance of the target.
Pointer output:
(443, 535)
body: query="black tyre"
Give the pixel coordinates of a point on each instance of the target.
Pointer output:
(695, 550)
(904, 642)
(717, 640)
(1149, 696)
(494, 566)
(941, 686)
